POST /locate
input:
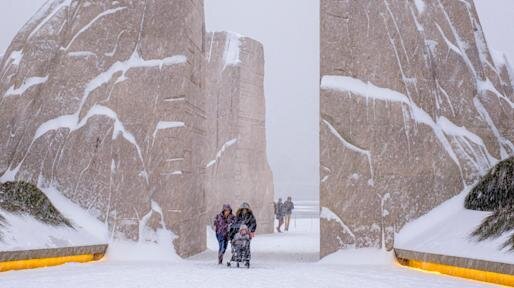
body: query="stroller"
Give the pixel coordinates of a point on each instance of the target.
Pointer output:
(241, 248)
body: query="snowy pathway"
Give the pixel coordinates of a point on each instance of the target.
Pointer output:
(279, 260)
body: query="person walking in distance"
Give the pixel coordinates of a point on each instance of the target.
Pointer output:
(288, 209)
(279, 214)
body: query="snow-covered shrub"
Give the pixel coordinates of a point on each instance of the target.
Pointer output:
(25, 198)
(495, 192)
(501, 221)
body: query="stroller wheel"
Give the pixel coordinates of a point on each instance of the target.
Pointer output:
(247, 264)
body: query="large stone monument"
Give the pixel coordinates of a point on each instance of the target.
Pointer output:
(104, 100)
(413, 109)
(237, 165)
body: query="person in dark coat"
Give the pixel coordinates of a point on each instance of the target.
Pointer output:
(279, 214)
(222, 223)
(244, 216)
(288, 210)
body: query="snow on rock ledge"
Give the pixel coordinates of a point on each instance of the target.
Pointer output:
(96, 112)
(413, 86)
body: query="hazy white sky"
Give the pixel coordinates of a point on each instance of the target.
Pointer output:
(497, 18)
(289, 30)
(13, 14)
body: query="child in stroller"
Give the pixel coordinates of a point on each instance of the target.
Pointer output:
(241, 247)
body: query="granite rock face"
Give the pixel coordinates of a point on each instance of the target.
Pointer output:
(237, 165)
(413, 109)
(104, 101)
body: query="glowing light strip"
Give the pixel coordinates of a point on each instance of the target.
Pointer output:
(47, 262)
(478, 275)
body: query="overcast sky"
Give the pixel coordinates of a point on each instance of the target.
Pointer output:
(289, 30)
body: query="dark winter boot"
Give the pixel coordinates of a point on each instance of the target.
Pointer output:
(220, 259)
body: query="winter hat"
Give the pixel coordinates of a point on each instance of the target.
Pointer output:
(227, 207)
(243, 227)
(245, 206)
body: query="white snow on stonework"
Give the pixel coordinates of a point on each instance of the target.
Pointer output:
(10, 174)
(175, 99)
(88, 25)
(442, 127)
(487, 118)
(451, 129)
(420, 5)
(487, 85)
(232, 49)
(461, 45)
(14, 58)
(480, 41)
(221, 151)
(328, 215)
(344, 142)
(174, 173)
(80, 54)
(65, 121)
(73, 122)
(70, 122)
(510, 72)
(49, 10)
(162, 125)
(351, 147)
(210, 46)
(27, 84)
(447, 229)
(419, 27)
(154, 245)
(81, 218)
(135, 61)
(449, 43)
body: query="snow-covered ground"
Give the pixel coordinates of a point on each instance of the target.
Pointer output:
(279, 260)
(24, 232)
(446, 230)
